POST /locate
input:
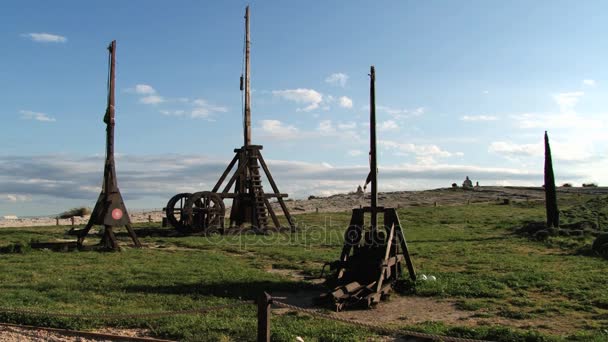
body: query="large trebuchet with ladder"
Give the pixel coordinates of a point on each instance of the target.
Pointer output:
(372, 256)
(204, 211)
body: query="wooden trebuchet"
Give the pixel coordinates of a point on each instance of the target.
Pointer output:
(202, 212)
(110, 210)
(372, 256)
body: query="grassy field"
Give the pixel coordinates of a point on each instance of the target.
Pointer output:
(510, 287)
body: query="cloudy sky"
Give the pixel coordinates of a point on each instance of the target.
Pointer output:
(463, 88)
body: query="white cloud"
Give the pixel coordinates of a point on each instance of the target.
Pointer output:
(354, 153)
(277, 129)
(567, 101)
(347, 125)
(15, 198)
(568, 120)
(173, 112)
(486, 92)
(30, 115)
(388, 125)
(479, 118)
(345, 102)
(575, 150)
(144, 89)
(589, 82)
(342, 130)
(417, 150)
(326, 127)
(400, 113)
(337, 79)
(149, 181)
(516, 150)
(203, 109)
(197, 108)
(45, 37)
(309, 97)
(152, 99)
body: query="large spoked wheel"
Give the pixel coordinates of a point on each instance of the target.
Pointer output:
(175, 212)
(203, 211)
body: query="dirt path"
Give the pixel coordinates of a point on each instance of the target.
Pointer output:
(10, 333)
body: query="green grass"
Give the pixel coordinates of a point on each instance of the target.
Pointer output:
(479, 264)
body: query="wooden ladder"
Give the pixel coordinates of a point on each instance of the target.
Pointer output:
(261, 214)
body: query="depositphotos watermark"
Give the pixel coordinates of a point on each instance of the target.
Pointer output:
(328, 234)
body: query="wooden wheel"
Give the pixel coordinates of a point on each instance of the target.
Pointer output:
(175, 212)
(204, 210)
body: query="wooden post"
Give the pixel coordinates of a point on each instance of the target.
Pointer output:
(264, 302)
(550, 192)
(149, 218)
(372, 147)
(56, 221)
(247, 114)
(72, 219)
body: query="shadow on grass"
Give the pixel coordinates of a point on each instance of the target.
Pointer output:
(248, 290)
(150, 232)
(454, 240)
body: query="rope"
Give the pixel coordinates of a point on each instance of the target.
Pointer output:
(123, 316)
(391, 331)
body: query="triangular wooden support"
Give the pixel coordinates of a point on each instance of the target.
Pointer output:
(371, 259)
(110, 210)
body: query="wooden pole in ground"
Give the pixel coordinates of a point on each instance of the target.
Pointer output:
(264, 302)
(372, 146)
(247, 116)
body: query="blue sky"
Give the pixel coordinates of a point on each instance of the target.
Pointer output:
(463, 88)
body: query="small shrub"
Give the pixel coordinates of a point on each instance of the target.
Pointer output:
(589, 185)
(75, 212)
(600, 245)
(567, 185)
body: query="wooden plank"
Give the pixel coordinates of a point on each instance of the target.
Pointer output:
(386, 255)
(235, 195)
(264, 305)
(132, 235)
(225, 174)
(235, 175)
(401, 237)
(272, 213)
(356, 223)
(276, 191)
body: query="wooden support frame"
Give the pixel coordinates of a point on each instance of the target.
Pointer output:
(352, 269)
